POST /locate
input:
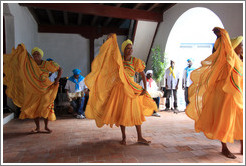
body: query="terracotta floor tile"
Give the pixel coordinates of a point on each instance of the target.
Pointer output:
(183, 148)
(118, 160)
(102, 157)
(80, 141)
(74, 159)
(87, 159)
(187, 160)
(129, 160)
(201, 159)
(171, 150)
(199, 152)
(56, 160)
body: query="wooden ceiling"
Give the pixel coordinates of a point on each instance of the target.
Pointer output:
(93, 20)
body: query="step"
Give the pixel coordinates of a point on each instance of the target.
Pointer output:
(7, 117)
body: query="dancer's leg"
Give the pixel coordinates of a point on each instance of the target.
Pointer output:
(123, 131)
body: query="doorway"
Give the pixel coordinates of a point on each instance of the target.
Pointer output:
(191, 37)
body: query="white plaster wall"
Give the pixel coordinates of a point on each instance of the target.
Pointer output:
(98, 43)
(9, 28)
(143, 39)
(70, 51)
(25, 27)
(20, 27)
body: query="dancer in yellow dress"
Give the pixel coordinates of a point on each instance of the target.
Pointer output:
(114, 96)
(216, 94)
(28, 84)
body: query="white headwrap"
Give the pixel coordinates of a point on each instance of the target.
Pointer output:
(149, 71)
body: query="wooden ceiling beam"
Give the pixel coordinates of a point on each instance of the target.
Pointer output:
(120, 23)
(80, 19)
(100, 10)
(153, 6)
(137, 5)
(168, 6)
(65, 15)
(94, 20)
(109, 19)
(34, 14)
(86, 31)
(131, 28)
(50, 15)
(156, 30)
(135, 30)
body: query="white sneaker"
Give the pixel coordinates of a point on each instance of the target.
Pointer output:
(156, 114)
(80, 117)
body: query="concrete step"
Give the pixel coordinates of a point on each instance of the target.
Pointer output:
(7, 117)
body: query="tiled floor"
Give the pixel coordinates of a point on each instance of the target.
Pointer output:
(76, 140)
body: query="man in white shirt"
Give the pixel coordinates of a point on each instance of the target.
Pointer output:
(152, 89)
(76, 89)
(186, 81)
(172, 82)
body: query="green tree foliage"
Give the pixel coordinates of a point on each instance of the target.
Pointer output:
(159, 63)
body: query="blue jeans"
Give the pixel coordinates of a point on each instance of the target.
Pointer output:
(157, 100)
(78, 105)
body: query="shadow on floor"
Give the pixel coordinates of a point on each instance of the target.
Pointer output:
(7, 136)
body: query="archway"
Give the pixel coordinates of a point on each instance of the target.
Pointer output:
(191, 37)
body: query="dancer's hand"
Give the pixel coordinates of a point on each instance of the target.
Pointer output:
(217, 32)
(110, 35)
(56, 81)
(143, 92)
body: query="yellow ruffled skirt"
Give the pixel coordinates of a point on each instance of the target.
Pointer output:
(123, 110)
(216, 95)
(220, 118)
(36, 105)
(114, 97)
(28, 86)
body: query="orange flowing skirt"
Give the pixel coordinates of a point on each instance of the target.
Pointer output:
(28, 86)
(114, 97)
(216, 95)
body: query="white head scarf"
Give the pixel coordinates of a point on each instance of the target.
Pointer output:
(149, 71)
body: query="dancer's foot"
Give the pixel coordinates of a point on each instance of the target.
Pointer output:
(34, 131)
(48, 130)
(227, 153)
(123, 142)
(143, 141)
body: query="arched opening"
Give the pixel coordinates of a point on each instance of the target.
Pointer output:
(191, 37)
